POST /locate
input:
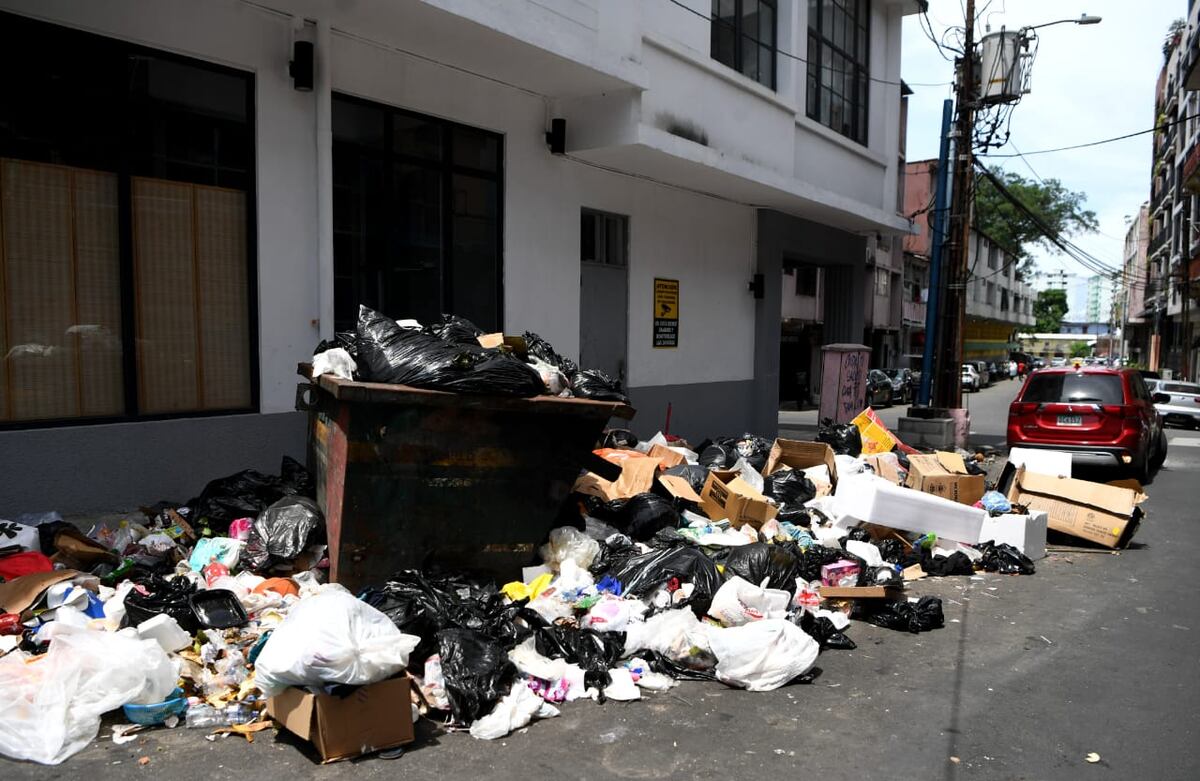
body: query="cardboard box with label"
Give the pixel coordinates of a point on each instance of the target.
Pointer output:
(726, 495)
(1105, 514)
(371, 718)
(945, 474)
(797, 454)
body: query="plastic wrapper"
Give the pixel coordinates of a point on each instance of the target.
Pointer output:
(595, 384)
(1005, 559)
(920, 616)
(640, 516)
(739, 602)
(331, 637)
(845, 439)
(477, 672)
(393, 354)
(778, 565)
(519, 707)
(763, 655)
(568, 543)
(169, 597)
(51, 709)
(336, 361)
(281, 532)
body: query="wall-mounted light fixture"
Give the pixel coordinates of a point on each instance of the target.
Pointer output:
(301, 67)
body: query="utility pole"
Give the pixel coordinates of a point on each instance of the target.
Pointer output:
(948, 392)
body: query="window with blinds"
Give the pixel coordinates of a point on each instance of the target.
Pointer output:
(126, 254)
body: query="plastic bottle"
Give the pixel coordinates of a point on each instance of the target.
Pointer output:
(205, 716)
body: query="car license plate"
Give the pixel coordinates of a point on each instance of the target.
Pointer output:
(1070, 420)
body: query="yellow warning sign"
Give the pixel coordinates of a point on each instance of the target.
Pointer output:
(666, 312)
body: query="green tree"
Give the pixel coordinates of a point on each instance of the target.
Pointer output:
(1059, 208)
(1080, 349)
(1049, 308)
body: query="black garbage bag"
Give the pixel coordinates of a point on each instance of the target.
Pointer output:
(618, 438)
(757, 561)
(347, 340)
(845, 439)
(1005, 559)
(859, 534)
(723, 453)
(456, 330)
(823, 631)
(595, 384)
(477, 670)
(973, 467)
(718, 456)
(596, 652)
(789, 487)
(393, 354)
(891, 549)
(694, 474)
(886, 576)
(957, 563)
(680, 671)
(921, 616)
(640, 516)
(612, 551)
(246, 494)
(641, 574)
(281, 532)
(539, 348)
(163, 596)
(812, 558)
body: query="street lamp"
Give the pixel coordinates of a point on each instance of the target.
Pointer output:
(1083, 19)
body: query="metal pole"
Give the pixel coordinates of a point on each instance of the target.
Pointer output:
(950, 346)
(938, 234)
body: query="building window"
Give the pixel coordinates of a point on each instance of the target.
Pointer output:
(126, 206)
(806, 281)
(416, 216)
(743, 37)
(990, 299)
(838, 65)
(993, 257)
(603, 238)
(883, 279)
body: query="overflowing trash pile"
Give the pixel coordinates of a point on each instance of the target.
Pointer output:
(737, 561)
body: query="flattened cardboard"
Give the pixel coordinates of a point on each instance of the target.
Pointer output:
(945, 475)
(800, 455)
(725, 495)
(372, 718)
(1104, 514)
(665, 456)
(20, 594)
(678, 487)
(862, 592)
(637, 475)
(876, 438)
(491, 341)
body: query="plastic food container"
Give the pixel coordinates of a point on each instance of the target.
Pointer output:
(157, 713)
(218, 608)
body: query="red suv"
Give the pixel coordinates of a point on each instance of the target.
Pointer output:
(1102, 416)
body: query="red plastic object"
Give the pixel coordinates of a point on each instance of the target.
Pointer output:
(27, 563)
(10, 624)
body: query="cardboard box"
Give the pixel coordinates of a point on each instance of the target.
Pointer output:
(372, 718)
(637, 476)
(1105, 514)
(726, 495)
(800, 455)
(665, 456)
(887, 466)
(1026, 533)
(678, 487)
(875, 436)
(945, 474)
(891, 593)
(875, 500)
(21, 594)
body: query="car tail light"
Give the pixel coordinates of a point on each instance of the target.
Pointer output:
(1024, 407)
(1126, 411)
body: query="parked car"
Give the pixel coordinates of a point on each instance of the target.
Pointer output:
(904, 385)
(879, 389)
(1102, 416)
(1182, 405)
(970, 378)
(985, 376)
(1057, 362)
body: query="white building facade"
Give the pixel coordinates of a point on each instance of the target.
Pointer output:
(184, 217)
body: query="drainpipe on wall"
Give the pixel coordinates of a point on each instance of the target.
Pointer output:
(323, 90)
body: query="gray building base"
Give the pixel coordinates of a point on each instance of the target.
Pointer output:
(698, 410)
(927, 432)
(119, 466)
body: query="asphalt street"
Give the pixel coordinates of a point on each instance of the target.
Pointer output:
(1096, 652)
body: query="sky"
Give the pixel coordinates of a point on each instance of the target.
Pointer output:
(1089, 82)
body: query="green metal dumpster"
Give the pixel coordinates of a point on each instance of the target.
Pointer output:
(412, 478)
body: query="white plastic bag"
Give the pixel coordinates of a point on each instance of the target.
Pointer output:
(517, 709)
(612, 614)
(331, 637)
(567, 542)
(51, 708)
(762, 655)
(622, 688)
(337, 362)
(672, 633)
(738, 601)
(867, 551)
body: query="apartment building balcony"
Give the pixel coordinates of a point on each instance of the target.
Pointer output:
(913, 313)
(1190, 179)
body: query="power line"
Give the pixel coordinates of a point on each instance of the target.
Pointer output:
(718, 20)
(1096, 143)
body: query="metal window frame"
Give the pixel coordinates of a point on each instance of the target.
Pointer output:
(130, 165)
(861, 71)
(602, 219)
(739, 37)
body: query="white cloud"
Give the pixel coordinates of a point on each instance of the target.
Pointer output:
(1089, 83)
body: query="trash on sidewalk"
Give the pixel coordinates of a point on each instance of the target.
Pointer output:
(1104, 514)
(944, 474)
(342, 725)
